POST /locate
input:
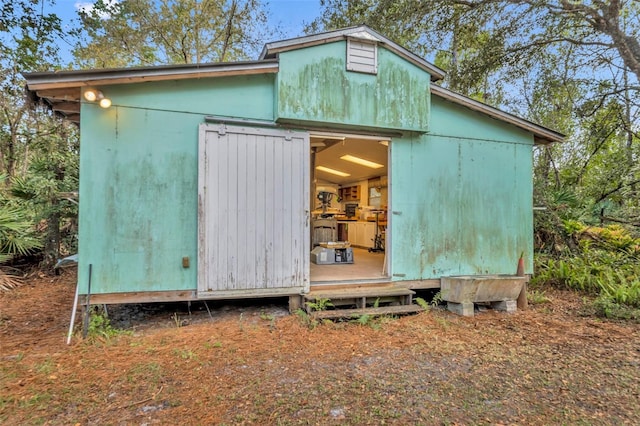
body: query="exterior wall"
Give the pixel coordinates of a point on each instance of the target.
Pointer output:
(314, 87)
(463, 190)
(464, 197)
(139, 186)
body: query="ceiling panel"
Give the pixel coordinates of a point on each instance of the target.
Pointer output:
(329, 156)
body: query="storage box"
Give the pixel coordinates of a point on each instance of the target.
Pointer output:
(336, 244)
(323, 256)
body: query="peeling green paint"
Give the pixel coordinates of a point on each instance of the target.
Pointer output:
(462, 191)
(139, 174)
(465, 204)
(314, 86)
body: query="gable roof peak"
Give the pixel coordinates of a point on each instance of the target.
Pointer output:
(362, 32)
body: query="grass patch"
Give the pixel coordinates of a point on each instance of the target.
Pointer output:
(100, 328)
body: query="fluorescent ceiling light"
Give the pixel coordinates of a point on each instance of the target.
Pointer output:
(343, 136)
(332, 171)
(361, 161)
(327, 135)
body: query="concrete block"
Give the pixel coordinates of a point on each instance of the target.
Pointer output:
(464, 309)
(509, 306)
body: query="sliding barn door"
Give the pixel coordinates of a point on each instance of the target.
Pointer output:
(253, 211)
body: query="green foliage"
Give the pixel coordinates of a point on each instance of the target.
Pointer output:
(100, 327)
(537, 297)
(266, 317)
(437, 299)
(605, 265)
(306, 319)
(606, 307)
(319, 304)
(38, 152)
(364, 319)
(146, 32)
(16, 233)
(422, 303)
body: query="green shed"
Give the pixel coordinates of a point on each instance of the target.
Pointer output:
(333, 161)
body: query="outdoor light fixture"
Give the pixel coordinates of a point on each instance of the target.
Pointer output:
(332, 171)
(362, 161)
(93, 95)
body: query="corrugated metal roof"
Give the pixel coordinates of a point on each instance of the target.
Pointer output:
(270, 50)
(542, 135)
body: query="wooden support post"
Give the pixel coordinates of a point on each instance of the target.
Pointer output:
(295, 303)
(522, 302)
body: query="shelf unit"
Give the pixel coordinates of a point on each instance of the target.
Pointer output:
(350, 193)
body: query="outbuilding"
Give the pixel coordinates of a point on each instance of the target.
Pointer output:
(333, 160)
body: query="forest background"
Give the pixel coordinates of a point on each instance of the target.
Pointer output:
(573, 66)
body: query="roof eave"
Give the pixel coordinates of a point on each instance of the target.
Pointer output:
(542, 135)
(101, 77)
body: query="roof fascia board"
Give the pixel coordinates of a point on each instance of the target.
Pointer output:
(310, 40)
(65, 79)
(542, 135)
(274, 48)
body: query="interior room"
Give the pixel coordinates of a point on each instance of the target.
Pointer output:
(350, 198)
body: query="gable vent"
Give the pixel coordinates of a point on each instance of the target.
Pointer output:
(362, 56)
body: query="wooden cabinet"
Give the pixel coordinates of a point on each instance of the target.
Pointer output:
(350, 193)
(366, 234)
(361, 234)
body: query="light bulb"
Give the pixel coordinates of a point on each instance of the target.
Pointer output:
(91, 95)
(105, 102)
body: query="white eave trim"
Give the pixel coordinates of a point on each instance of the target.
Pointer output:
(541, 134)
(363, 32)
(101, 77)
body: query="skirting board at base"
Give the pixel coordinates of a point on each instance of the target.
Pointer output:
(183, 296)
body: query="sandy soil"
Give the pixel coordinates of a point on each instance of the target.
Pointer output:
(252, 363)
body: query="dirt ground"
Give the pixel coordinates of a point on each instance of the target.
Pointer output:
(252, 363)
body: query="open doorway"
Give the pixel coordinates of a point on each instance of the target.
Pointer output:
(350, 204)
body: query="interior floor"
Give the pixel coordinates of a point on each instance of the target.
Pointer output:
(365, 266)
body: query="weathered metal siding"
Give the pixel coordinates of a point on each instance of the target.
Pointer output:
(462, 196)
(253, 210)
(314, 87)
(139, 169)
